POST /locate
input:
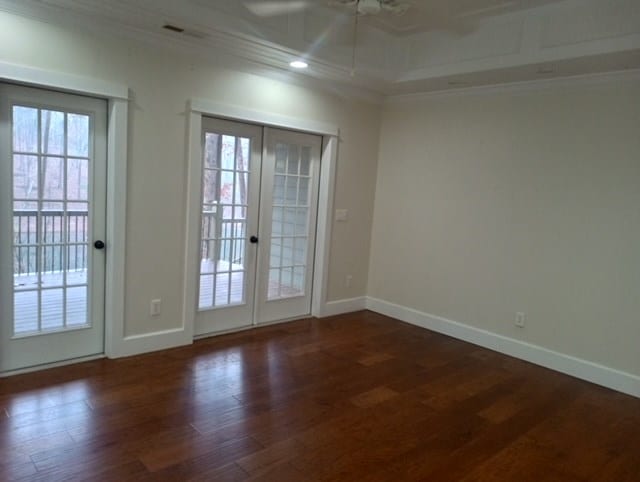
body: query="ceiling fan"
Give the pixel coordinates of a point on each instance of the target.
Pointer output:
(357, 8)
(272, 8)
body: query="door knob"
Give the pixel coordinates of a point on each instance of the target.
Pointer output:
(253, 239)
(99, 244)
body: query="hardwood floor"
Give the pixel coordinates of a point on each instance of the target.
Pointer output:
(356, 397)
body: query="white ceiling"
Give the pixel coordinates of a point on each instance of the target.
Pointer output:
(436, 45)
(456, 15)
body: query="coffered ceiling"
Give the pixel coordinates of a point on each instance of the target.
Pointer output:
(435, 45)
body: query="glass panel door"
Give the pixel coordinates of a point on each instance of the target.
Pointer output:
(53, 164)
(288, 218)
(231, 163)
(50, 153)
(258, 225)
(290, 211)
(224, 220)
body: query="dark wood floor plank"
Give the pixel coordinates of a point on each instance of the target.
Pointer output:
(348, 398)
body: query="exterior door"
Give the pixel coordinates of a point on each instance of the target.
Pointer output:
(231, 167)
(258, 223)
(53, 193)
(288, 210)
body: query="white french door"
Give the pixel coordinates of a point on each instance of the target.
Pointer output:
(231, 166)
(258, 222)
(288, 211)
(52, 226)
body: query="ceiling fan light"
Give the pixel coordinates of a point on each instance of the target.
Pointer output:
(298, 64)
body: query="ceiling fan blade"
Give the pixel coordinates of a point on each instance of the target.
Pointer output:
(395, 8)
(274, 8)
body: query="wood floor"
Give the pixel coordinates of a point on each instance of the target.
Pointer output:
(356, 397)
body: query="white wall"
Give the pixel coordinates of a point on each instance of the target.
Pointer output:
(161, 83)
(491, 204)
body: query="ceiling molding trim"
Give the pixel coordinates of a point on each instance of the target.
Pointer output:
(62, 81)
(234, 112)
(631, 75)
(231, 51)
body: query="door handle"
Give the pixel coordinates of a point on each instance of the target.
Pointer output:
(253, 239)
(99, 244)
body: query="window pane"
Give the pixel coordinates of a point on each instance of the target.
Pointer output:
(52, 132)
(275, 261)
(294, 161)
(305, 161)
(273, 290)
(278, 189)
(298, 280)
(281, 158)
(291, 193)
(25, 308)
(53, 174)
(206, 291)
(78, 135)
(303, 192)
(77, 306)
(77, 264)
(276, 225)
(52, 315)
(78, 179)
(300, 251)
(25, 129)
(25, 177)
(246, 149)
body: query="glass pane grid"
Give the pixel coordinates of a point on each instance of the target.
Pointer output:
(289, 222)
(50, 168)
(226, 168)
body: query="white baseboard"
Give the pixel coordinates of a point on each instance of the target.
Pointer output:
(148, 342)
(340, 307)
(593, 372)
(47, 366)
(161, 340)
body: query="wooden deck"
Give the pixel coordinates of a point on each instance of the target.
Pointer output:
(358, 397)
(229, 290)
(26, 302)
(229, 285)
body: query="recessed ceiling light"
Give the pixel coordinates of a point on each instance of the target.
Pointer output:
(299, 64)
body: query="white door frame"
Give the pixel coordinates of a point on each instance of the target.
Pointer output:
(196, 109)
(118, 104)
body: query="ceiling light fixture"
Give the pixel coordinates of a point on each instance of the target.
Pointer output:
(299, 64)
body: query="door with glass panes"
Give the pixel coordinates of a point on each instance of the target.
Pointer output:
(258, 223)
(52, 226)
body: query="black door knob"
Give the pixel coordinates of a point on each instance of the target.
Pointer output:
(98, 244)
(253, 239)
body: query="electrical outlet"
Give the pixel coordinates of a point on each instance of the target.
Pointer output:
(520, 319)
(155, 307)
(347, 281)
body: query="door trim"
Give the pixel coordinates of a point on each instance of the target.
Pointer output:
(196, 109)
(117, 96)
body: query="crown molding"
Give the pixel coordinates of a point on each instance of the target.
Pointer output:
(226, 49)
(522, 86)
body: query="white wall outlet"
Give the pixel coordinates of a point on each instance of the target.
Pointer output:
(342, 215)
(347, 281)
(155, 307)
(520, 319)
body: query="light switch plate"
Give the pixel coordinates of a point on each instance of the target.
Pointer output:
(342, 215)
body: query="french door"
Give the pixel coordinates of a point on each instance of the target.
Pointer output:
(258, 223)
(52, 226)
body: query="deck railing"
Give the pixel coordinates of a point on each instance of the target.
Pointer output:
(229, 237)
(46, 231)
